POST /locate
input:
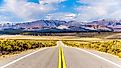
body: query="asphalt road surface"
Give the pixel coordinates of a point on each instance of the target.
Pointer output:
(79, 59)
(74, 58)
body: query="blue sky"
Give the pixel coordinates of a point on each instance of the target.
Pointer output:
(80, 10)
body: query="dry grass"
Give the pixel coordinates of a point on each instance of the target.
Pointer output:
(48, 37)
(105, 37)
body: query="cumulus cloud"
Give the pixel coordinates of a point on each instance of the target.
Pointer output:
(61, 16)
(50, 9)
(51, 1)
(30, 10)
(96, 9)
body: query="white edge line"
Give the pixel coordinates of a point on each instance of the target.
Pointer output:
(14, 61)
(98, 57)
(95, 55)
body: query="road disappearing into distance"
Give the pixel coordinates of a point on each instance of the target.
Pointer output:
(61, 56)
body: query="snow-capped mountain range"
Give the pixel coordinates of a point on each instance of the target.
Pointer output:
(100, 25)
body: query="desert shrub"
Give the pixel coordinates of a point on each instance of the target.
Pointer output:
(112, 47)
(13, 46)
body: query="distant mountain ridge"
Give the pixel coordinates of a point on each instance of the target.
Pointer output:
(60, 26)
(115, 25)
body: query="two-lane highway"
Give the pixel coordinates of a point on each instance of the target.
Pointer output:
(47, 58)
(74, 58)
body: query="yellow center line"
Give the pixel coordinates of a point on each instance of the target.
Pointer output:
(61, 59)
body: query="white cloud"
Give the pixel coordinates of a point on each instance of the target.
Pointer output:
(97, 9)
(93, 10)
(30, 10)
(5, 19)
(51, 1)
(116, 14)
(61, 16)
